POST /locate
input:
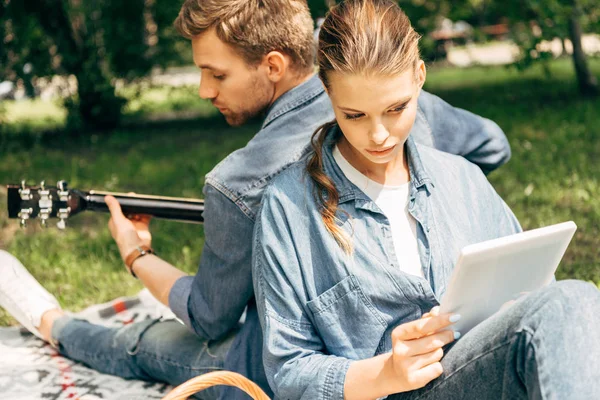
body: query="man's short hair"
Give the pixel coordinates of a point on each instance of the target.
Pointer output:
(254, 27)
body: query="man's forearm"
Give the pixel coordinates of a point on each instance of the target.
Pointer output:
(157, 275)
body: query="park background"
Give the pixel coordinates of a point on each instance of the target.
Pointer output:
(103, 94)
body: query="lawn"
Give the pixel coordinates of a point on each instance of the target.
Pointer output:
(553, 175)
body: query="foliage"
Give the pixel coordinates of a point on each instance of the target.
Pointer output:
(96, 42)
(534, 21)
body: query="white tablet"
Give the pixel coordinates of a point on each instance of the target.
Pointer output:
(490, 273)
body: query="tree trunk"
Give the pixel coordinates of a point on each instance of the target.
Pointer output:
(588, 84)
(97, 106)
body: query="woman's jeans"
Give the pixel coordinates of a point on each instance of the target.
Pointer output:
(545, 346)
(152, 350)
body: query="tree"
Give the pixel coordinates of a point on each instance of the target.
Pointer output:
(96, 42)
(536, 20)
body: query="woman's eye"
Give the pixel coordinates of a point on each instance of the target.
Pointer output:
(400, 108)
(353, 116)
(219, 77)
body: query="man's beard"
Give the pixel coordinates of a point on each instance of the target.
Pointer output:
(240, 118)
(261, 102)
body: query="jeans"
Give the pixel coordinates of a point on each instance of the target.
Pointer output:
(545, 346)
(151, 350)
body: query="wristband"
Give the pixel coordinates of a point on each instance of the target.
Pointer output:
(138, 252)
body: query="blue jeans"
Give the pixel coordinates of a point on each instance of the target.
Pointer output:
(151, 350)
(545, 346)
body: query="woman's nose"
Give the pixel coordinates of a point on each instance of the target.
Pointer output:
(379, 134)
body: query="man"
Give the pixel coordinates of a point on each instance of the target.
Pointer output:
(256, 59)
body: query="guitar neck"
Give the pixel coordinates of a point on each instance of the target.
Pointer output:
(171, 208)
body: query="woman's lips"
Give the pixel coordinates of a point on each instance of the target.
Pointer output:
(381, 153)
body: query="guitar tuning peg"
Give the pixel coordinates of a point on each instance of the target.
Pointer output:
(43, 185)
(63, 193)
(24, 191)
(44, 223)
(24, 216)
(61, 224)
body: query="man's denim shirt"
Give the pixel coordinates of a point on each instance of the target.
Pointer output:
(321, 308)
(211, 302)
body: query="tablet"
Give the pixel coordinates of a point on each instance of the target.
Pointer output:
(488, 274)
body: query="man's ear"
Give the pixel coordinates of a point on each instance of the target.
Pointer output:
(277, 65)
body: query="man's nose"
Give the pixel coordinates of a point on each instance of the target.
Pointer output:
(206, 90)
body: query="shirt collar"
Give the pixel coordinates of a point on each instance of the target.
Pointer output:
(419, 177)
(293, 98)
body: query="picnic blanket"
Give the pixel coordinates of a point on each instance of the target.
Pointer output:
(32, 369)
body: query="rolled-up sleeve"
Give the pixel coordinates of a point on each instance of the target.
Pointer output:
(461, 132)
(212, 302)
(293, 354)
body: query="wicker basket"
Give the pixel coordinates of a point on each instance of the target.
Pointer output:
(205, 381)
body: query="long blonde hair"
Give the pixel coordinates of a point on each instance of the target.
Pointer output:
(358, 37)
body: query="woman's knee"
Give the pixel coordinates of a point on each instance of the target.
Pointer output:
(572, 292)
(567, 300)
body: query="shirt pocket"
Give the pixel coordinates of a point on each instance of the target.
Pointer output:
(347, 322)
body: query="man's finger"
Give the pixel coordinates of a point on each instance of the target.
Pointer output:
(115, 208)
(423, 327)
(144, 218)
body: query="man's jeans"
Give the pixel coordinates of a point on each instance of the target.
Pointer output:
(152, 350)
(545, 346)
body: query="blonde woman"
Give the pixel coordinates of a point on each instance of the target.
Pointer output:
(354, 246)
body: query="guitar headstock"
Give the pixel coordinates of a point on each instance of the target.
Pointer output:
(43, 203)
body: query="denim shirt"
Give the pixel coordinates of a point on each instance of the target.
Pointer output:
(212, 302)
(321, 308)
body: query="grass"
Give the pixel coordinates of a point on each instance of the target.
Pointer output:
(144, 102)
(553, 175)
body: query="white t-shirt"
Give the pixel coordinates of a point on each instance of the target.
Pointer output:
(393, 201)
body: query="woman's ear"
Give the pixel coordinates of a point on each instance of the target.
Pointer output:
(324, 87)
(421, 74)
(276, 64)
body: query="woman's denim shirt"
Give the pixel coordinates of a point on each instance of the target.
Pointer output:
(321, 308)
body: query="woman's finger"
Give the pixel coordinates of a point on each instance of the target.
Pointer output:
(424, 360)
(423, 327)
(424, 345)
(426, 374)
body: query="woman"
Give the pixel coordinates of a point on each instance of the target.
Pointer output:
(355, 245)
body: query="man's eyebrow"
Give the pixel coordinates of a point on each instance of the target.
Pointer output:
(396, 103)
(209, 66)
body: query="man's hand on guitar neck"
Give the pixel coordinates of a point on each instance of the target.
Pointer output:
(129, 233)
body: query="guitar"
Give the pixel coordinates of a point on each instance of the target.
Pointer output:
(58, 202)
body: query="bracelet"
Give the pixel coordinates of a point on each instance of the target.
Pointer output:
(138, 252)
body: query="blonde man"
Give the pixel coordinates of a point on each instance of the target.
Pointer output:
(256, 58)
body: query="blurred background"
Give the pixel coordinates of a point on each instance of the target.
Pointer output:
(103, 94)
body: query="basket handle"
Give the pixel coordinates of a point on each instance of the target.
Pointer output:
(205, 381)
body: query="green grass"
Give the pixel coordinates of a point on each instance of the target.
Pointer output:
(144, 102)
(553, 175)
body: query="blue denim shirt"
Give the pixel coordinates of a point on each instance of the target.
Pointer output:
(321, 308)
(211, 302)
